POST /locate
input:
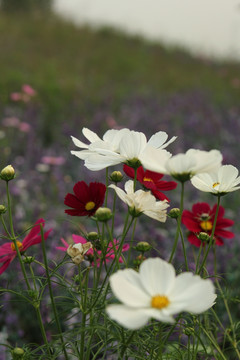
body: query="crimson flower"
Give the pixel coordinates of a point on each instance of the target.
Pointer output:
(8, 251)
(109, 253)
(201, 220)
(152, 181)
(86, 199)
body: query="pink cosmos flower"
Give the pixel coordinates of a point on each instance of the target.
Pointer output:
(27, 89)
(8, 251)
(15, 96)
(53, 160)
(110, 255)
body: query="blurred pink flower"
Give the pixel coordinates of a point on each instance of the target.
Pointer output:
(11, 121)
(53, 160)
(8, 251)
(24, 127)
(15, 96)
(27, 89)
(110, 255)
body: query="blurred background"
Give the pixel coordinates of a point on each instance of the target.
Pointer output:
(147, 65)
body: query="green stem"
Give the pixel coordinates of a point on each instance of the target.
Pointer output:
(212, 236)
(131, 242)
(84, 316)
(126, 344)
(179, 220)
(107, 182)
(51, 292)
(5, 227)
(42, 329)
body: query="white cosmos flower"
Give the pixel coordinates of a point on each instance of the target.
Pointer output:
(184, 166)
(156, 292)
(222, 181)
(117, 146)
(142, 202)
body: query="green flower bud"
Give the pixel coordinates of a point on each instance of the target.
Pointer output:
(174, 213)
(17, 353)
(116, 176)
(103, 214)
(92, 236)
(139, 259)
(28, 259)
(3, 209)
(203, 236)
(143, 246)
(8, 173)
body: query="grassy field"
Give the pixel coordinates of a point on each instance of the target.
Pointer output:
(76, 69)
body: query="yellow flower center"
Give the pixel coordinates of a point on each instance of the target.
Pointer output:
(160, 301)
(19, 245)
(206, 225)
(215, 184)
(90, 205)
(147, 179)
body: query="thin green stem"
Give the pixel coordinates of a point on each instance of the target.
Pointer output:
(131, 242)
(51, 292)
(179, 220)
(5, 227)
(212, 236)
(107, 182)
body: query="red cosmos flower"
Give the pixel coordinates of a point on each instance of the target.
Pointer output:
(86, 199)
(152, 181)
(8, 251)
(110, 254)
(201, 220)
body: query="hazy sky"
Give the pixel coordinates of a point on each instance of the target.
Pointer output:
(210, 27)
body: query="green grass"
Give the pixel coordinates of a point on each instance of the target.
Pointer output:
(75, 69)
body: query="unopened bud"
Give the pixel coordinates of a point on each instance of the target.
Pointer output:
(116, 176)
(8, 173)
(18, 353)
(3, 209)
(103, 214)
(143, 246)
(174, 213)
(203, 237)
(139, 259)
(28, 259)
(92, 236)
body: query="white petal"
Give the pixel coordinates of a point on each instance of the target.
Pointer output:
(132, 144)
(159, 315)
(79, 143)
(157, 276)
(127, 288)
(154, 159)
(203, 182)
(129, 187)
(192, 293)
(90, 135)
(97, 162)
(180, 164)
(158, 139)
(121, 194)
(128, 317)
(158, 215)
(83, 155)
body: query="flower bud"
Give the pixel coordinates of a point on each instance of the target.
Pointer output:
(28, 259)
(3, 209)
(116, 176)
(103, 214)
(203, 236)
(8, 173)
(139, 259)
(174, 213)
(143, 246)
(17, 353)
(92, 236)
